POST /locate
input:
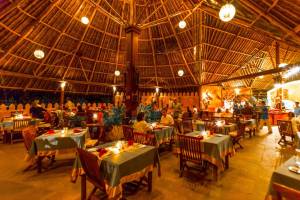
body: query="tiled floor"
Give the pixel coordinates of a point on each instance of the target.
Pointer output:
(247, 178)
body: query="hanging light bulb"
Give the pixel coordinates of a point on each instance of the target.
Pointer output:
(282, 64)
(227, 12)
(180, 72)
(156, 89)
(85, 20)
(117, 73)
(39, 54)
(237, 90)
(182, 24)
(114, 88)
(63, 84)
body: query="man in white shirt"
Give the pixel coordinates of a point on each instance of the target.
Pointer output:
(166, 119)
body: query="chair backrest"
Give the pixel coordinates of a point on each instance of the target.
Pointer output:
(241, 127)
(187, 125)
(209, 125)
(12, 107)
(285, 127)
(21, 123)
(89, 163)
(20, 107)
(49, 106)
(29, 134)
(190, 147)
(144, 138)
(127, 132)
(56, 106)
(286, 192)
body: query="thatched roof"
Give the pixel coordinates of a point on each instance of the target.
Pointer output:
(86, 56)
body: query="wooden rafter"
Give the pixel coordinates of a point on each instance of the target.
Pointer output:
(178, 42)
(32, 27)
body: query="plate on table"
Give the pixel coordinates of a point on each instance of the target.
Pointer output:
(294, 169)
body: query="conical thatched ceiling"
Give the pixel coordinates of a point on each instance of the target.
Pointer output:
(86, 56)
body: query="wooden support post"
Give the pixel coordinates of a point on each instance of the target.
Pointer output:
(131, 77)
(62, 96)
(278, 78)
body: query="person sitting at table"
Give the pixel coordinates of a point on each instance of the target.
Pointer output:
(166, 119)
(247, 110)
(141, 126)
(37, 111)
(297, 109)
(295, 121)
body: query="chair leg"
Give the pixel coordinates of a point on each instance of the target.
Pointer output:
(83, 187)
(149, 181)
(11, 138)
(92, 192)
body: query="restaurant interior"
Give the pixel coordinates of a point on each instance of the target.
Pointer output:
(150, 99)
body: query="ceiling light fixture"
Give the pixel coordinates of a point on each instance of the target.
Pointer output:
(85, 20)
(182, 24)
(63, 84)
(282, 64)
(180, 72)
(114, 88)
(237, 90)
(117, 73)
(156, 89)
(227, 12)
(39, 54)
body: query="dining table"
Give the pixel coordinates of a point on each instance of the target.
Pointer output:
(163, 134)
(56, 142)
(129, 163)
(282, 175)
(220, 128)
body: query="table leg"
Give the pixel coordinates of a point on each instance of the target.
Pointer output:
(149, 181)
(227, 161)
(83, 187)
(215, 170)
(39, 164)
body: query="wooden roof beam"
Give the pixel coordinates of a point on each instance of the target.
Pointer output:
(178, 42)
(22, 75)
(31, 28)
(253, 75)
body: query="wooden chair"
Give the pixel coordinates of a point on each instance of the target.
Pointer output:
(29, 134)
(190, 151)
(187, 125)
(209, 125)
(286, 130)
(127, 132)
(18, 125)
(89, 163)
(283, 192)
(237, 135)
(144, 138)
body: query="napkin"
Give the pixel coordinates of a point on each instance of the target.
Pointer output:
(101, 151)
(77, 130)
(51, 131)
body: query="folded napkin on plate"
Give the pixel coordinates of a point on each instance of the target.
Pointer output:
(77, 130)
(101, 151)
(50, 131)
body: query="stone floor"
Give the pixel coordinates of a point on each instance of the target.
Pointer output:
(247, 178)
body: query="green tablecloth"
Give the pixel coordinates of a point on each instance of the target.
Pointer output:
(284, 177)
(52, 142)
(9, 124)
(215, 148)
(115, 166)
(224, 129)
(164, 134)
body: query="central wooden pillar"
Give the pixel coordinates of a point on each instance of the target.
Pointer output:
(131, 76)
